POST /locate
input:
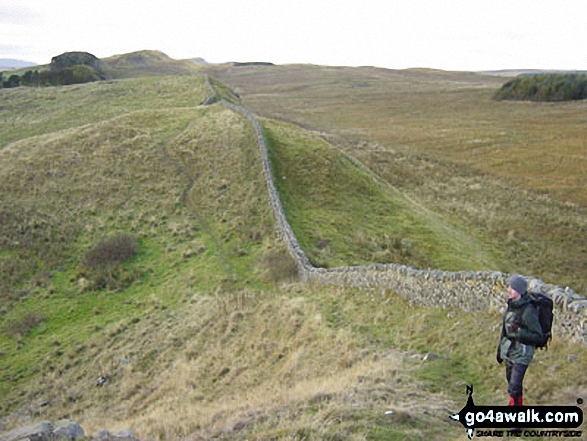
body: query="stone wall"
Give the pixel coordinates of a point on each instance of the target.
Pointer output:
(213, 97)
(471, 291)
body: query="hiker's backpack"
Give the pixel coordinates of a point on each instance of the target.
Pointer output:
(543, 304)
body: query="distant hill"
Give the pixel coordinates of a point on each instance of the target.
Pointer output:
(67, 68)
(11, 63)
(146, 63)
(83, 67)
(516, 72)
(250, 63)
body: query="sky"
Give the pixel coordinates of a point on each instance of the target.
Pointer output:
(469, 35)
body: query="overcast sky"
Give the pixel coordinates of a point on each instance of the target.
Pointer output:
(397, 34)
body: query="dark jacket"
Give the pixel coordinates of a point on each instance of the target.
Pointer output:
(520, 332)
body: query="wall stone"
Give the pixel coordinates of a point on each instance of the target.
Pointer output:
(471, 291)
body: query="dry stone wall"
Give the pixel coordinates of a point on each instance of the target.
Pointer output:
(471, 291)
(213, 97)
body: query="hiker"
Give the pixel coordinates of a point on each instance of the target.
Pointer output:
(520, 334)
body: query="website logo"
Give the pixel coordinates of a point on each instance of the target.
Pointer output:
(504, 421)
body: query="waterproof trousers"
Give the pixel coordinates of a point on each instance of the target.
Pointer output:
(514, 374)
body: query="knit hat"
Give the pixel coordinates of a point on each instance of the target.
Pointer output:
(519, 284)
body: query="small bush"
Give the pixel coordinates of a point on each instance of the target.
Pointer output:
(111, 252)
(71, 75)
(77, 75)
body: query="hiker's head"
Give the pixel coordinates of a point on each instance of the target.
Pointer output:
(517, 287)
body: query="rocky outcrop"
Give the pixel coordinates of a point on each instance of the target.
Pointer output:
(34, 432)
(64, 430)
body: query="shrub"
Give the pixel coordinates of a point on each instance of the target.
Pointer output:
(70, 75)
(103, 263)
(30, 78)
(111, 252)
(13, 81)
(545, 87)
(77, 75)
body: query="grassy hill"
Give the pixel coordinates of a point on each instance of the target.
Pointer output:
(153, 173)
(343, 215)
(146, 63)
(30, 112)
(204, 331)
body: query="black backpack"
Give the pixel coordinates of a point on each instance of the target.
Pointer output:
(544, 305)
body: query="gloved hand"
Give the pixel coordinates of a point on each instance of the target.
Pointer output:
(498, 357)
(513, 327)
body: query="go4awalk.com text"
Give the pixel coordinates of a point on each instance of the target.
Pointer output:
(506, 421)
(535, 416)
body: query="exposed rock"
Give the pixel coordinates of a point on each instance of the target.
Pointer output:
(34, 432)
(64, 430)
(322, 397)
(241, 425)
(578, 305)
(68, 430)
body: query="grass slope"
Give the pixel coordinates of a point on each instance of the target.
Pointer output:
(298, 362)
(27, 112)
(165, 176)
(343, 215)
